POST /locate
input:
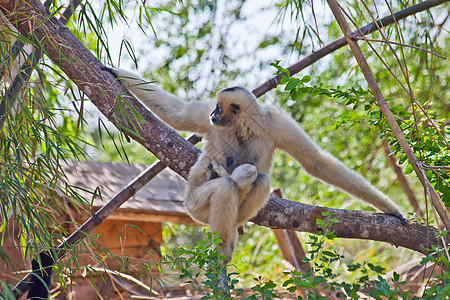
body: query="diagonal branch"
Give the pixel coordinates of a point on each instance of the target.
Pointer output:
(442, 211)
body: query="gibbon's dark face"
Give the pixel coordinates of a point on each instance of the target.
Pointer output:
(229, 105)
(223, 115)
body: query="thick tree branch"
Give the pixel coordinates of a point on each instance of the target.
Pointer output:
(66, 51)
(354, 224)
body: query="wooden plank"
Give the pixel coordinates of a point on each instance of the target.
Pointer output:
(153, 217)
(131, 215)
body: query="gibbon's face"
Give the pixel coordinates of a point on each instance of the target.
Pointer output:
(231, 103)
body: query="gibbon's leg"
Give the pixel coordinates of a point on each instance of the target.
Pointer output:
(197, 195)
(223, 213)
(255, 200)
(216, 202)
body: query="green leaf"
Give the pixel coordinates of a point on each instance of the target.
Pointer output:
(306, 79)
(292, 84)
(409, 168)
(396, 276)
(320, 222)
(329, 253)
(354, 267)
(284, 80)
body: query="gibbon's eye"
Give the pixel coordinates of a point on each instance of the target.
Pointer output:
(235, 108)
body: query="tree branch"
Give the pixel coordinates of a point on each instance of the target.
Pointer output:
(354, 224)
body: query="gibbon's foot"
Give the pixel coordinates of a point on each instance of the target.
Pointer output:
(227, 249)
(400, 216)
(240, 230)
(244, 175)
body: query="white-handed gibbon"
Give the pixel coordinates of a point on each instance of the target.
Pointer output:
(230, 181)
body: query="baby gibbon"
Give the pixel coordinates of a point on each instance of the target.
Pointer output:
(230, 181)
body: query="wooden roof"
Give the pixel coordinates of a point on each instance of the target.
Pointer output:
(160, 200)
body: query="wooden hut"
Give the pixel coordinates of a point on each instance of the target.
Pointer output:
(131, 233)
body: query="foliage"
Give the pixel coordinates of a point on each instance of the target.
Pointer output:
(204, 265)
(201, 267)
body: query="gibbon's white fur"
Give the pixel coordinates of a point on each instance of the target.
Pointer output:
(230, 181)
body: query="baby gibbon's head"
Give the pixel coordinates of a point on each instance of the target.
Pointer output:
(232, 103)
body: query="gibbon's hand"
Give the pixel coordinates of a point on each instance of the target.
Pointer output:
(217, 168)
(400, 216)
(110, 70)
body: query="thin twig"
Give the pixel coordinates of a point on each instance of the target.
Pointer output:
(444, 142)
(413, 97)
(399, 44)
(408, 82)
(435, 167)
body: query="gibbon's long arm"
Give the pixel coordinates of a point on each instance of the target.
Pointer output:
(181, 115)
(289, 137)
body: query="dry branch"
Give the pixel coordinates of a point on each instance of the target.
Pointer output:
(390, 119)
(84, 69)
(403, 181)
